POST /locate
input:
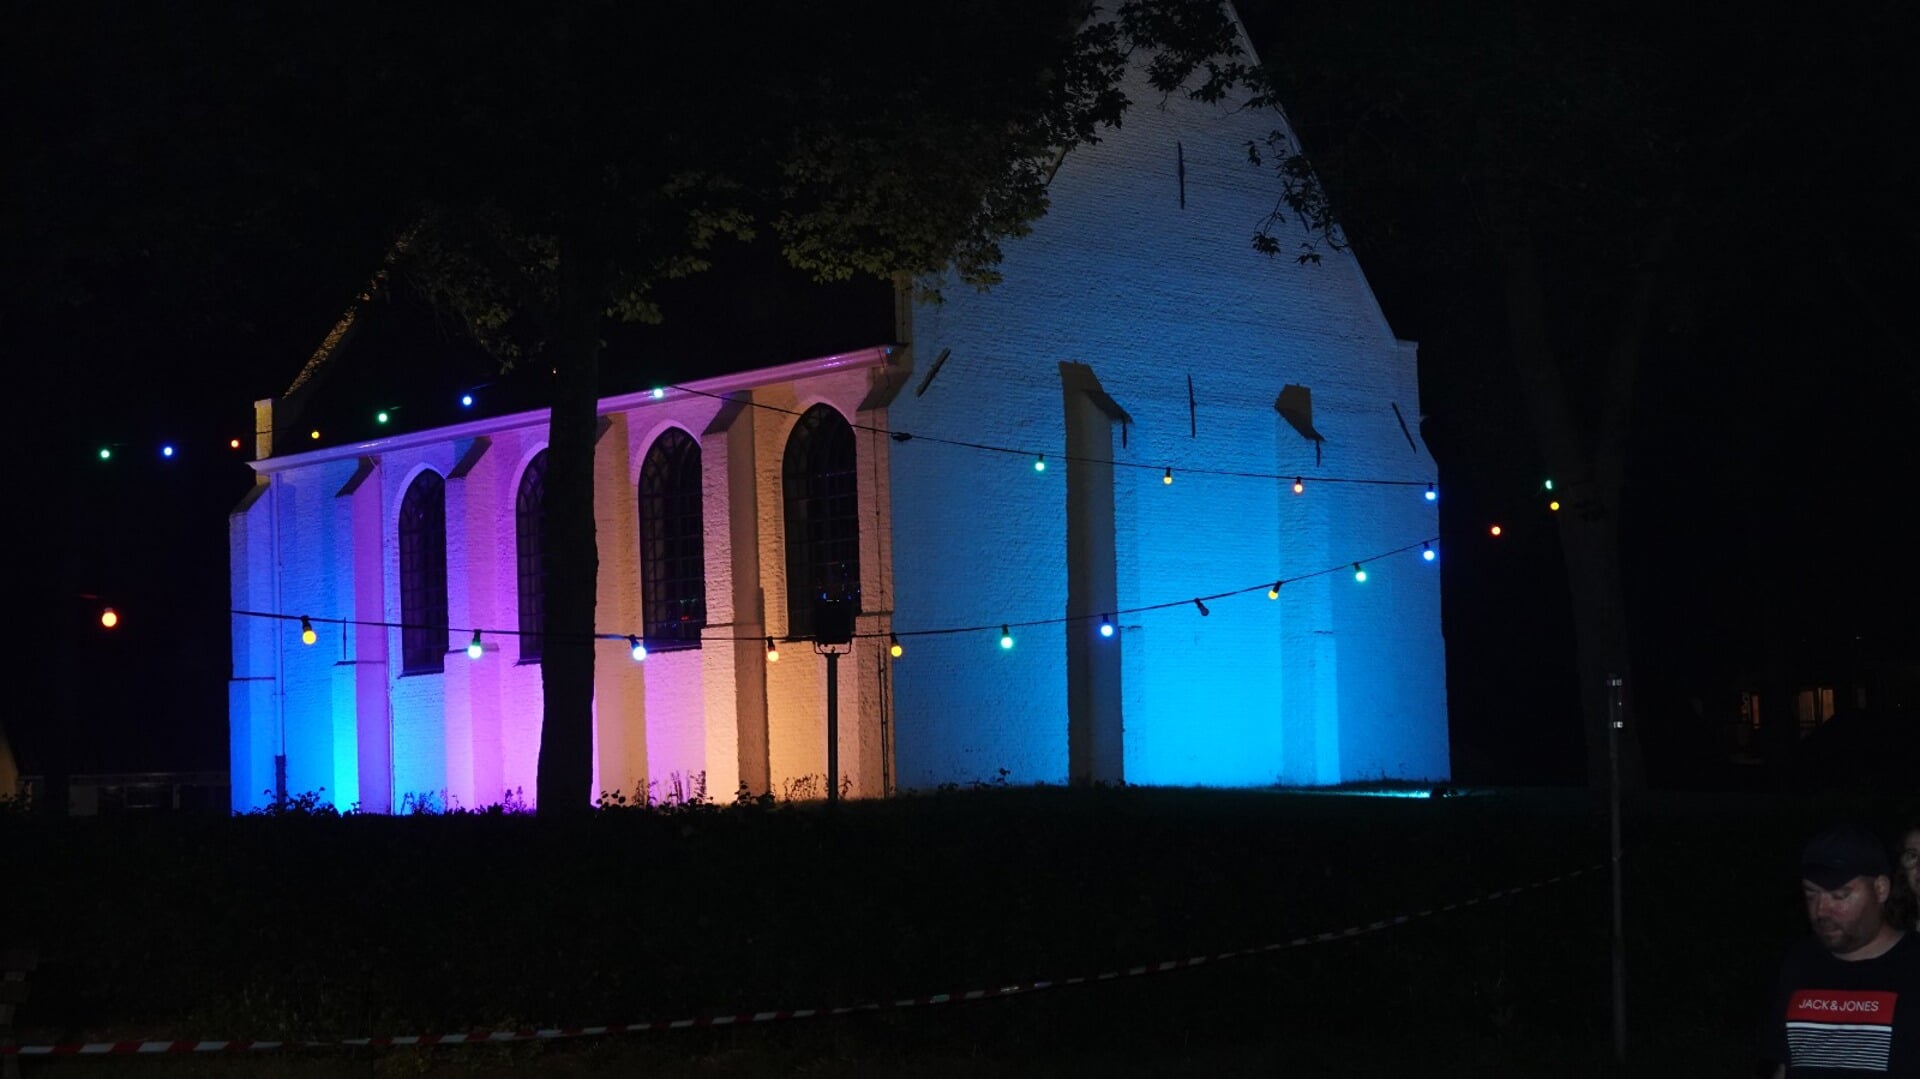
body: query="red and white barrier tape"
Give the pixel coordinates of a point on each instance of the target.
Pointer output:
(498, 1037)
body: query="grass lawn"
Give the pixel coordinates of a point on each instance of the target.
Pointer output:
(297, 927)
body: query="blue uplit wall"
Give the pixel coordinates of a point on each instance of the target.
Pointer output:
(1334, 681)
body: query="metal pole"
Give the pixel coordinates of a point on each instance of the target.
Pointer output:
(833, 727)
(1614, 723)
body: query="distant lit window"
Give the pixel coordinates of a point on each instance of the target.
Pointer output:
(819, 481)
(673, 560)
(530, 529)
(423, 575)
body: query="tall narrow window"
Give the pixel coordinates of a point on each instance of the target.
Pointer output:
(673, 561)
(823, 520)
(423, 575)
(530, 528)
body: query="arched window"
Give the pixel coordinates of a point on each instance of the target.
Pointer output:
(530, 528)
(823, 520)
(423, 575)
(673, 557)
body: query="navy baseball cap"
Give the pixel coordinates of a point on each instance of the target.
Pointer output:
(1841, 853)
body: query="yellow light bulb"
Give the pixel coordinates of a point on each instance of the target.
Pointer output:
(109, 618)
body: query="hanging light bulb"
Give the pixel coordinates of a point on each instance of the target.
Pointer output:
(1203, 608)
(1554, 505)
(1426, 551)
(1274, 592)
(1168, 477)
(773, 653)
(106, 453)
(307, 635)
(1494, 531)
(381, 416)
(636, 648)
(233, 443)
(1006, 637)
(109, 617)
(1039, 462)
(659, 392)
(1432, 495)
(1299, 486)
(1106, 625)
(1359, 573)
(466, 400)
(1548, 485)
(893, 646)
(474, 647)
(167, 450)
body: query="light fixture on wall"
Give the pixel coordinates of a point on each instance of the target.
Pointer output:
(307, 635)
(773, 652)
(474, 647)
(636, 648)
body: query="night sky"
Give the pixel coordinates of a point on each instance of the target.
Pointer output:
(1770, 460)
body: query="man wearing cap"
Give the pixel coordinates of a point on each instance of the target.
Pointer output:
(1848, 1000)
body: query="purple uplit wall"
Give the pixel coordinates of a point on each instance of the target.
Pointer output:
(318, 537)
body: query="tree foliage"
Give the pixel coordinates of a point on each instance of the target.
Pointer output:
(563, 164)
(1615, 190)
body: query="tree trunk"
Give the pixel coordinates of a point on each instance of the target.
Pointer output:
(1589, 478)
(572, 561)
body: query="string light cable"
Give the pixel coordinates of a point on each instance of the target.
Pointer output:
(1040, 457)
(635, 642)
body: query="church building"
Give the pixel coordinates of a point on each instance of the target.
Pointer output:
(1153, 510)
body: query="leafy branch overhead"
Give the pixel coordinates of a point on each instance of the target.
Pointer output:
(912, 144)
